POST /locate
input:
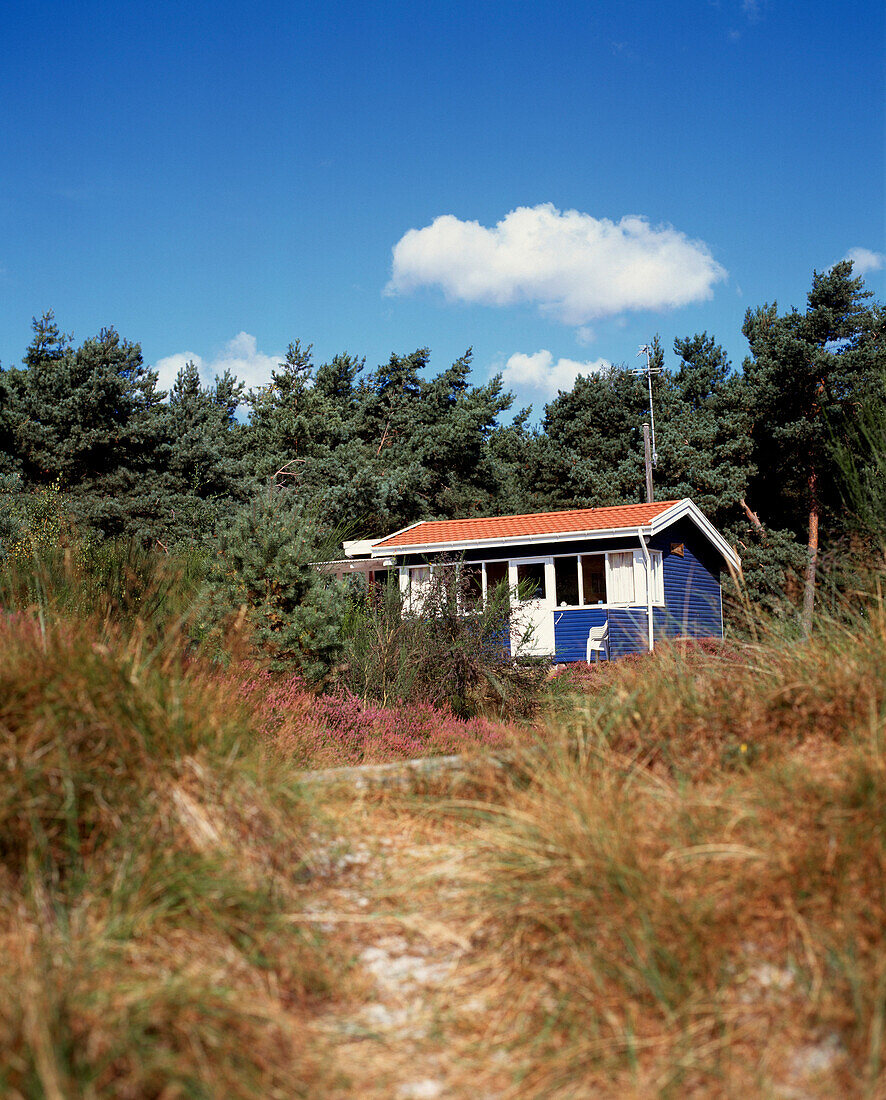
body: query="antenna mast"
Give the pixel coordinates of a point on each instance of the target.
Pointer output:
(646, 350)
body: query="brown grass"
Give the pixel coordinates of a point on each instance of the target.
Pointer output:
(148, 859)
(685, 892)
(677, 889)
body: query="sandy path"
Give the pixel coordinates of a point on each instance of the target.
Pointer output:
(418, 1026)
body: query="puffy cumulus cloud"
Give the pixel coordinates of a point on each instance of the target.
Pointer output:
(865, 260)
(167, 368)
(240, 356)
(575, 267)
(541, 373)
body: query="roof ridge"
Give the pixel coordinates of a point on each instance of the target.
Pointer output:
(567, 521)
(550, 512)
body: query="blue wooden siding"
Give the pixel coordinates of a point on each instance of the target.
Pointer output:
(628, 631)
(571, 631)
(691, 586)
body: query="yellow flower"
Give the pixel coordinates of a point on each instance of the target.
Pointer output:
(744, 747)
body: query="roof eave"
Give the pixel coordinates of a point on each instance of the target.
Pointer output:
(380, 551)
(686, 508)
(682, 508)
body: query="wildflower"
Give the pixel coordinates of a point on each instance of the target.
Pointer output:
(744, 747)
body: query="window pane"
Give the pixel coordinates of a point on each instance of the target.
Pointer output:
(419, 581)
(496, 574)
(566, 580)
(657, 577)
(593, 578)
(382, 582)
(471, 585)
(532, 575)
(621, 574)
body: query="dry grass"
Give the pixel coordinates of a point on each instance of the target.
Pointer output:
(149, 856)
(684, 893)
(677, 889)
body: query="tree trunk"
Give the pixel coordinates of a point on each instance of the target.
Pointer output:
(812, 558)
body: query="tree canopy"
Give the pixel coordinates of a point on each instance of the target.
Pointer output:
(371, 450)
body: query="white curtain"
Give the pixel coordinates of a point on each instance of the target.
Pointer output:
(419, 584)
(640, 577)
(621, 578)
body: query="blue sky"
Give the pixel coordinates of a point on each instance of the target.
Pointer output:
(560, 181)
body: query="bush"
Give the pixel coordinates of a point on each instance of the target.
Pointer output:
(339, 728)
(436, 653)
(265, 572)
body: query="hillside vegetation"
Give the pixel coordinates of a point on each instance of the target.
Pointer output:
(661, 876)
(670, 883)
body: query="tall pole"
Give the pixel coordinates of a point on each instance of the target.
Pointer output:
(648, 455)
(651, 455)
(645, 350)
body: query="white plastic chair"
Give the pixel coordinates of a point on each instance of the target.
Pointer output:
(598, 642)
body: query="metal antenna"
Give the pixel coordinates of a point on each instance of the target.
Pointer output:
(649, 370)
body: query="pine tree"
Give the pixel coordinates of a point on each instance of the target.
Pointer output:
(90, 418)
(265, 569)
(807, 376)
(704, 442)
(205, 473)
(591, 451)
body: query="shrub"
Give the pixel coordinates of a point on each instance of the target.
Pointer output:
(265, 570)
(437, 652)
(339, 728)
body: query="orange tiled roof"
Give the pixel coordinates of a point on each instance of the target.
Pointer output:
(578, 521)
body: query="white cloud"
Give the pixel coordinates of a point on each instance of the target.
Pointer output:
(865, 260)
(240, 356)
(575, 267)
(539, 372)
(168, 368)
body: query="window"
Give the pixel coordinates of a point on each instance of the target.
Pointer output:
(471, 585)
(657, 576)
(496, 575)
(419, 579)
(566, 581)
(621, 578)
(381, 582)
(616, 579)
(531, 574)
(593, 579)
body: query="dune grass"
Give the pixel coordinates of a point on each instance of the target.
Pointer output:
(676, 888)
(149, 853)
(683, 889)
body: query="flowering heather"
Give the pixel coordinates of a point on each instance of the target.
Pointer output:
(341, 729)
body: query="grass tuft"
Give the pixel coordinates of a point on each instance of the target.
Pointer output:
(684, 887)
(150, 848)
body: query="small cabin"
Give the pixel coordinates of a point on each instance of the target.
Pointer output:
(593, 582)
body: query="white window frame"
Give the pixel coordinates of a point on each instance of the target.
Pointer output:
(640, 591)
(639, 577)
(629, 566)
